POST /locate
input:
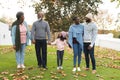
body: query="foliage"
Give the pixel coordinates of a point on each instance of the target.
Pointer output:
(60, 12)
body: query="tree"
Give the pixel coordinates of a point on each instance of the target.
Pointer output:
(59, 12)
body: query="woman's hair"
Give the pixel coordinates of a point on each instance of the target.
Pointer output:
(19, 14)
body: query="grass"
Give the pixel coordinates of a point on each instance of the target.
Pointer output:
(108, 66)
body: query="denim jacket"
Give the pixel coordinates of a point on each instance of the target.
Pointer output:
(76, 31)
(13, 32)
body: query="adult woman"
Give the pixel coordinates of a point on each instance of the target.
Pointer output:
(75, 40)
(20, 38)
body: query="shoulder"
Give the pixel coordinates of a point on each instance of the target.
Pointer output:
(93, 24)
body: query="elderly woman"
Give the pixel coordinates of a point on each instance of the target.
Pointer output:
(20, 38)
(75, 40)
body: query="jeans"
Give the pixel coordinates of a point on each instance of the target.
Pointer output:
(60, 57)
(41, 52)
(20, 54)
(90, 53)
(77, 50)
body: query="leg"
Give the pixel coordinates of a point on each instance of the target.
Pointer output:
(38, 52)
(44, 53)
(79, 54)
(18, 57)
(75, 51)
(22, 53)
(86, 53)
(61, 57)
(92, 58)
(58, 58)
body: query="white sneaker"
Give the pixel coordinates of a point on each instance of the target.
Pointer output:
(61, 67)
(78, 69)
(74, 69)
(22, 66)
(18, 66)
(58, 68)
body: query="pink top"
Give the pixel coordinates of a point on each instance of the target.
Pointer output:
(23, 32)
(60, 44)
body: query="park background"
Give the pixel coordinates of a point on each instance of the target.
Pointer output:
(59, 13)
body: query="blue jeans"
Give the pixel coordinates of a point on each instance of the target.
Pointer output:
(90, 53)
(20, 54)
(77, 49)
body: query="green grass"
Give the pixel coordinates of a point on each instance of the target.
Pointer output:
(108, 66)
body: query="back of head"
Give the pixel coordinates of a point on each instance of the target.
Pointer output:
(19, 14)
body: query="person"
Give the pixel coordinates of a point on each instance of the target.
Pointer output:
(75, 40)
(60, 43)
(90, 33)
(39, 31)
(20, 38)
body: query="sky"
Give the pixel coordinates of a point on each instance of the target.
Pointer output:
(11, 7)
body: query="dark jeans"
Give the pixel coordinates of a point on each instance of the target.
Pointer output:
(60, 57)
(90, 53)
(41, 52)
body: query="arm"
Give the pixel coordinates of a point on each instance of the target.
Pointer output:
(13, 32)
(33, 33)
(48, 33)
(94, 35)
(70, 37)
(53, 43)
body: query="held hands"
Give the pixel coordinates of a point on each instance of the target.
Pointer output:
(14, 47)
(89, 47)
(33, 41)
(49, 42)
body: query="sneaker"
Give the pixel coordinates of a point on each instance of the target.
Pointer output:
(58, 68)
(78, 69)
(22, 66)
(93, 71)
(18, 66)
(74, 69)
(61, 67)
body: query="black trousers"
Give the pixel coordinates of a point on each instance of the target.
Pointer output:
(90, 53)
(60, 57)
(41, 52)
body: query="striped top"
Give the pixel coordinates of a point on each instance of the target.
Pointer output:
(23, 34)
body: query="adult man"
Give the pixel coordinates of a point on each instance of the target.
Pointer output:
(90, 33)
(39, 31)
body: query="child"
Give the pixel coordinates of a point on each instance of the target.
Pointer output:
(60, 43)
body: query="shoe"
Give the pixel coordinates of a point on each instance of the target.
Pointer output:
(58, 68)
(78, 69)
(18, 66)
(87, 69)
(74, 69)
(94, 71)
(61, 67)
(22, 66)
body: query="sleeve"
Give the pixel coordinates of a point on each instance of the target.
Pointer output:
(65, 43)
(48, 32)
(13, 32)
(33, 32)
(94, 35)
(70, 36)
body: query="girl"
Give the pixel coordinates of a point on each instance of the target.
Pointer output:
(60, 43)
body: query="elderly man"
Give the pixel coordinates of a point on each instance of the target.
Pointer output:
(39, 31)
(90, 33)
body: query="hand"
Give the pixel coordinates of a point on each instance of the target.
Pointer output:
(49, 42)
(89, 47)
(33, 41)
(14, 47)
